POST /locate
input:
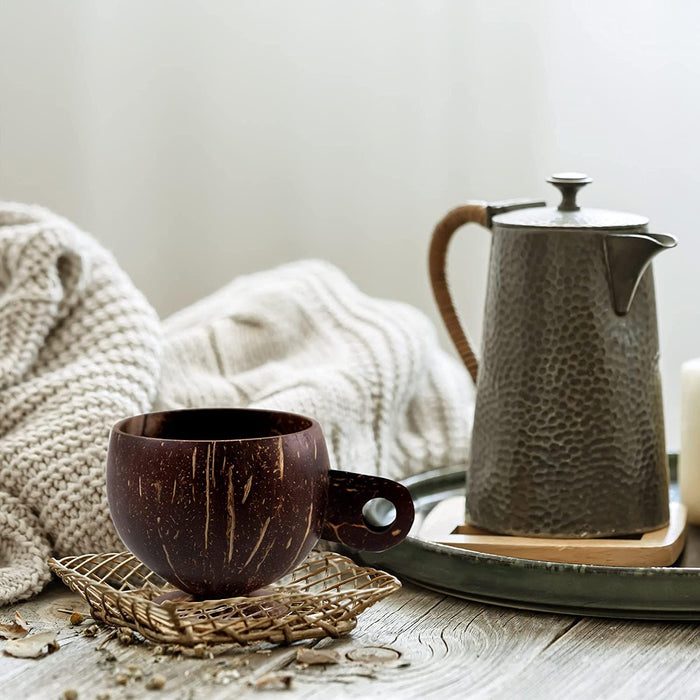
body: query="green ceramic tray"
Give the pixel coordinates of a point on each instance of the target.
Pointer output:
(653, 593)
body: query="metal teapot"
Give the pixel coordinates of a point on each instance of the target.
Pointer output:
(568, 437)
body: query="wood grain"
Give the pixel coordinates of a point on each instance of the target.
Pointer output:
(445, 525)
(80, 665)
(614, 659)
(414, 644)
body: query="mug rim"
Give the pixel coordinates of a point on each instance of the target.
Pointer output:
(118, 427)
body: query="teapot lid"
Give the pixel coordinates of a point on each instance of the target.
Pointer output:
(569, 214)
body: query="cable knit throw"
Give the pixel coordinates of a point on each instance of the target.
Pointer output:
(303, 338)
(80, 348)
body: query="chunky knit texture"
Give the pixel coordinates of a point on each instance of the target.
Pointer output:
(78, 349)
(303, 338)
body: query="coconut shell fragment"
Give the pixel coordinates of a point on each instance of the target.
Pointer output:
(311, 657)
(32, 646)
(14, 630)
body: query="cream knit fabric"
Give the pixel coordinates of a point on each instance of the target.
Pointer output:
(78, 350)
(81, 348)
(303, 338)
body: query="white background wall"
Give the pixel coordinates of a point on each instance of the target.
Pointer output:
(204, 139)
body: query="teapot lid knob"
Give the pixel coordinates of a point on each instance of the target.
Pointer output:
(569, 185)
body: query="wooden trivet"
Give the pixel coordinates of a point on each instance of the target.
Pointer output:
(444, 525)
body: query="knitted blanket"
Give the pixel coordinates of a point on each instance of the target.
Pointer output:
(80, 348)
(303, 338)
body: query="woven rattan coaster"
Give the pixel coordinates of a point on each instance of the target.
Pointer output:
(322, 597)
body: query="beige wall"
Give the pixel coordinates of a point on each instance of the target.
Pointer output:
(201, 140)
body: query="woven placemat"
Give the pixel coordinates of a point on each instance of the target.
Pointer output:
(322, 597)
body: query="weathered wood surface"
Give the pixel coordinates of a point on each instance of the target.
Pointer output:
(413, 644)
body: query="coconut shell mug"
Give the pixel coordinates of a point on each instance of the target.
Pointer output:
(221, 502)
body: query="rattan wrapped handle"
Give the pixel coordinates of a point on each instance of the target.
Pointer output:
(478, 213)
(470, 213)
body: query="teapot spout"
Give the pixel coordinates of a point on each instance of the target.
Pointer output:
(627, 256)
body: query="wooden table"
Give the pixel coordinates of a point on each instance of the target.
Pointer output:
(414, 644)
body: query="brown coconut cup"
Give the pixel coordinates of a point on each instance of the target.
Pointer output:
(223, 501)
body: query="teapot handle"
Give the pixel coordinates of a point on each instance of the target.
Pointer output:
(473, 212)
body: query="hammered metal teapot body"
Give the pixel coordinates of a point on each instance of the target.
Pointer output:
(568, 437)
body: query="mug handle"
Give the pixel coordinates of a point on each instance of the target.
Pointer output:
(473, 212)
(345, 523)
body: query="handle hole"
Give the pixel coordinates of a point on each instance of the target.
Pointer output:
(379, 514)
